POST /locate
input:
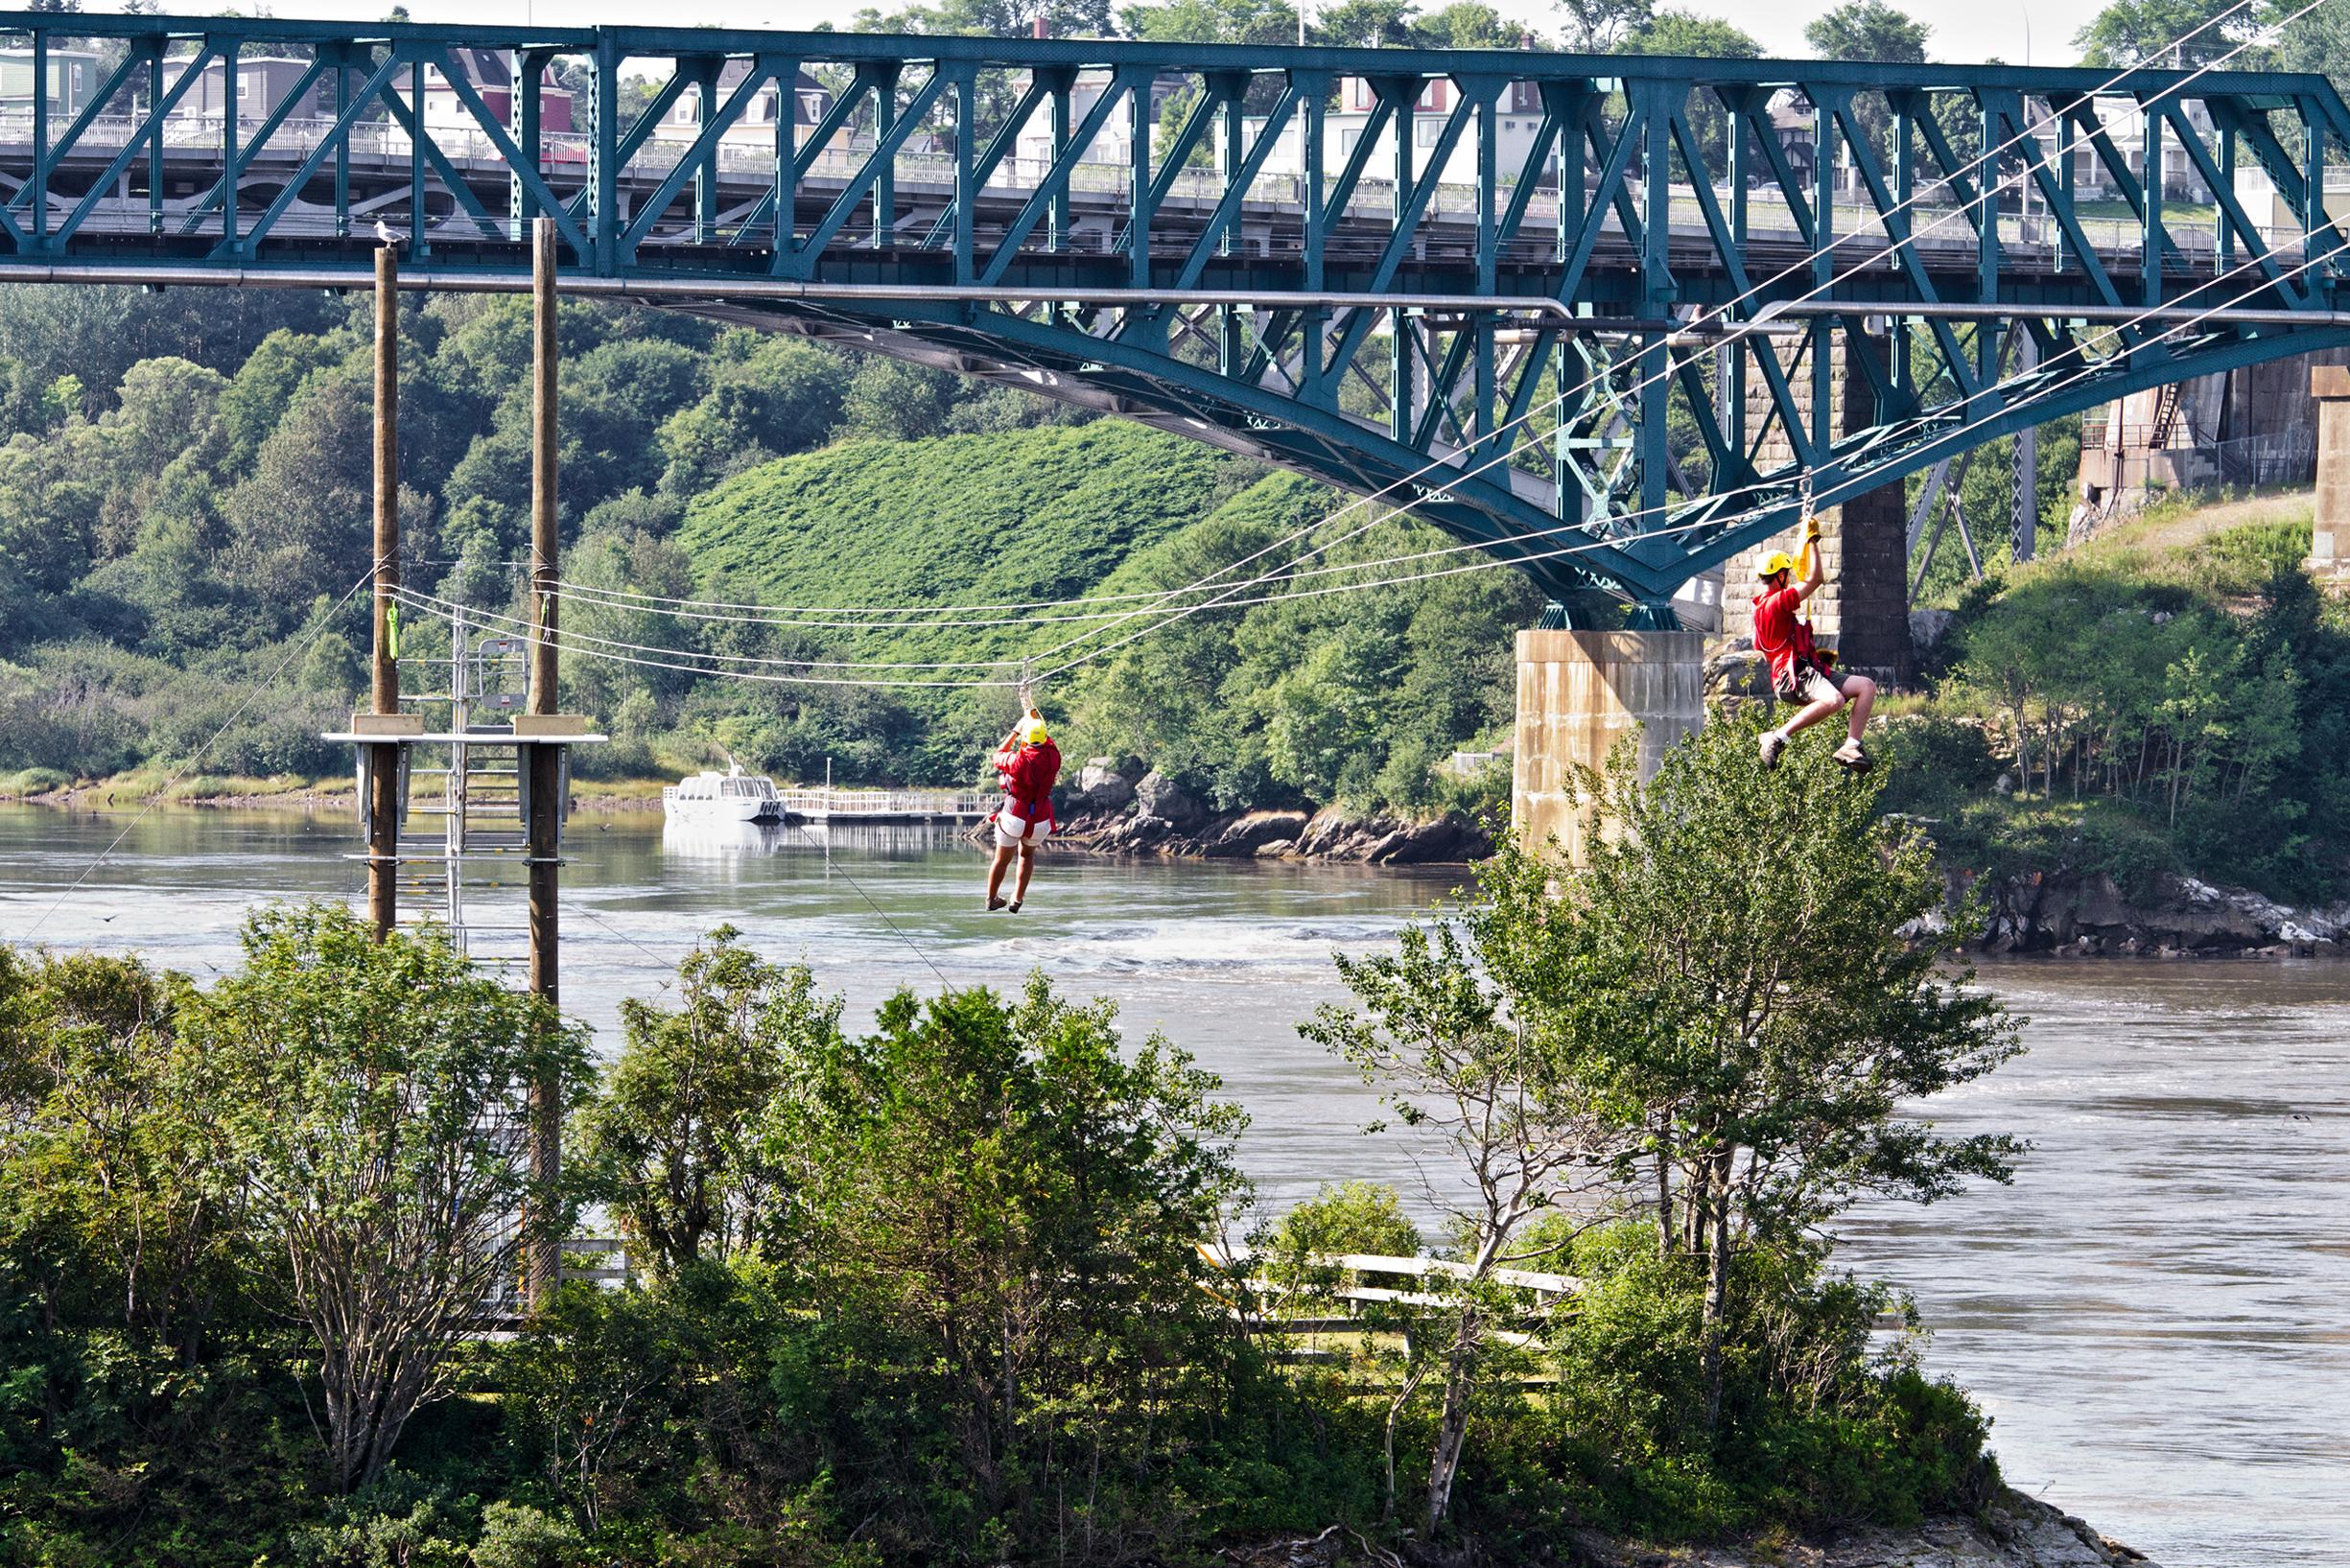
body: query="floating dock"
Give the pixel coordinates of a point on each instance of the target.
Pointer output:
(877, 805)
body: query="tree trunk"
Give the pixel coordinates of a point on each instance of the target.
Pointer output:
(1664, 1206)
(1394, 1414)
(1452, 1427)
(1716, 1299)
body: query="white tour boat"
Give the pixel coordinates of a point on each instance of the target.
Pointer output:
(731, 796)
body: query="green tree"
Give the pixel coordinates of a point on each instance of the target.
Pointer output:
(262, 388)
(1677, 32)
(1871, 30)
(893, 401)
(770, 397)
(674, 1139)
(2158, 33)
(1742, 978)
(1364, 24)
(1868, 30)
(1597, 27)
(1456, 1029)
(1013, 1204)
(301, 522)
(1211, 21)
(368, 1096)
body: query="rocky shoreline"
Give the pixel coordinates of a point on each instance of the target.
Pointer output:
(1102, 811)
(2087, 914)
(2011, 1531)
(1105, 812)
(2056, 913)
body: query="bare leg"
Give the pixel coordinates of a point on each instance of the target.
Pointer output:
(1811, 715)
(1027, 864)
(994, 872)
(1862, 691)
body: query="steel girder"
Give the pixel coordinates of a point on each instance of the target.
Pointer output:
(1459, 279)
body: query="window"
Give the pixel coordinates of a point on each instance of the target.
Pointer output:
(1346, 142)
(1425, 132)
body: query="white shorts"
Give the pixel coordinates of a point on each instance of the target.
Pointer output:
(1012, 829)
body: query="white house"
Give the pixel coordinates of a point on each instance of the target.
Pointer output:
(756, 125)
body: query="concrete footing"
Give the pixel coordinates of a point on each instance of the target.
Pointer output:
(1577, 694)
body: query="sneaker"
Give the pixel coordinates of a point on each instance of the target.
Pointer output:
(1774, 747)
(1854, 758)
(1015, 906)
(994, 904)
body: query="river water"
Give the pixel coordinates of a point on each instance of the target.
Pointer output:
(2153, 1314)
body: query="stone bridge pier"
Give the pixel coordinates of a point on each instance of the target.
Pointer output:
(2329, 555)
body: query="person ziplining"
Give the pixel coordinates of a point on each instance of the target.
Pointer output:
(1028, 764)
(1802, 672)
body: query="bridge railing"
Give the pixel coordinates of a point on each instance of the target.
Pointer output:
(566, 157)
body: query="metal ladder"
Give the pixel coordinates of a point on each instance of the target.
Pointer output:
(469, 876)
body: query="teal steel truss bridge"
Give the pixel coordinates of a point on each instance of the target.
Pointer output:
(1548, 300)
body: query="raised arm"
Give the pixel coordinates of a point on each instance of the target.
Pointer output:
(1814, 574)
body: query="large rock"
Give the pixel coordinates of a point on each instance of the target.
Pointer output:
(1160, 796)
(1439, 839)
(1249, 833)
(1102, 788)
(1738, 675)
(1135, 835)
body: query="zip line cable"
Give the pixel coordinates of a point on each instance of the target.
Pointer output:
(1836, 493)
(1739, 332)
(573, 639)
(319, 624)
(421, 600)
(920, 952)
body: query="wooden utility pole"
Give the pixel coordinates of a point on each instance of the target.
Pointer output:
(544, 760)
(384, 757)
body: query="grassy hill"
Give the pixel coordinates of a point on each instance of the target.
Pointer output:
(1021, 516)
(1303, 701)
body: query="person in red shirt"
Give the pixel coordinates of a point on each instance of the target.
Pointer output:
(1802, 674)
(1028, 764)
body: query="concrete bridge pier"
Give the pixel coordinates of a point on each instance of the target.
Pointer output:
(1578, 692)
(2329, 555)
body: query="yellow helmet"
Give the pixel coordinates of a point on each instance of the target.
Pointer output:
(1775, 562)
(1032, 730)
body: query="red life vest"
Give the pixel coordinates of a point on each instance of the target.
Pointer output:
(1028, 776)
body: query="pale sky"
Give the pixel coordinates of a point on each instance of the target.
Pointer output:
(1964, 30)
